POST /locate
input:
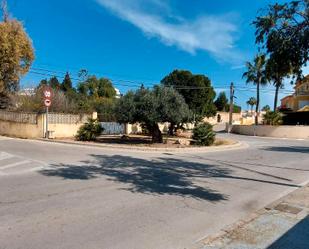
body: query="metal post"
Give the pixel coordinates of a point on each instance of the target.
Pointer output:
(231, 103)
(46, 128)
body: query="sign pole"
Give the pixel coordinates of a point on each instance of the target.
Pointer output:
(47, 94)
(46, 128)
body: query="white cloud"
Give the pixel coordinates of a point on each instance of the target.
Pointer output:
(238, 67)
(214, 34)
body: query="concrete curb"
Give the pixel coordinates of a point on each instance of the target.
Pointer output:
(237, 145)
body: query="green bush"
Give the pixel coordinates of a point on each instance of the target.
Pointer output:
(272, 118)
(203, 134)
(89, 131)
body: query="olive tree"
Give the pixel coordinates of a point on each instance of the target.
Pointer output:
(150, 107)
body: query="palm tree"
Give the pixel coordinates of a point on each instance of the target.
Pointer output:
(278, 85)
(266, 108)
(256, 74)
(276, 70)
(251, 102)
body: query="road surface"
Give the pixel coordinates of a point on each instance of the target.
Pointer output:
(69, 196)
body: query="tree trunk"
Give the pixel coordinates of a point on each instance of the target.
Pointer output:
(156, 134)
(276, 96)
(171, 129)
(257, 103)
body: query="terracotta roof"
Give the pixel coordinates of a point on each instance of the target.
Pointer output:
(300, 82)
(287, 97)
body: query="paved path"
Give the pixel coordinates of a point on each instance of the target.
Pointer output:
(284, 224)
(65, 196)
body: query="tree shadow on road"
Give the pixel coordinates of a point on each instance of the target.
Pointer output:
(163, 176)
(237, 165)
(292, 149)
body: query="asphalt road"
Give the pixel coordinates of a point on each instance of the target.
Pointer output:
(75, 197)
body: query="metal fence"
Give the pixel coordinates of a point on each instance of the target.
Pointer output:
(113, 128)
(19, 117)
(61, 118)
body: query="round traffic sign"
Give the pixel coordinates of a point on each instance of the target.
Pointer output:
(47, 92)
(47, 102)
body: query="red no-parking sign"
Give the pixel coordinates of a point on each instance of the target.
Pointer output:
(47, 102)
(47, 95)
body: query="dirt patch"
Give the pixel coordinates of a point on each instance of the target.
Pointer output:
(286, 208)
(142, 141)
(130, 140)
(220, 141)
(168, 142)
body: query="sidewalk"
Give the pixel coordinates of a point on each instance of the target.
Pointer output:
(282, 225)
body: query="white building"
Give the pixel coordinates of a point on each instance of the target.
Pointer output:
(118, 94)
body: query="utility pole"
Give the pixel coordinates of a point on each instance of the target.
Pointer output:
(231, 103)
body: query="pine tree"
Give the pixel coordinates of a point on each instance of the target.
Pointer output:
(66, 83)
(54, 83)
(221, 102)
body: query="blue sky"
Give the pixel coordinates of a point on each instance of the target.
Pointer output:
(141, 41)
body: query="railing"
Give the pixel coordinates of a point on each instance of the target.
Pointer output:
(302, 93)
(19, 117)
(53, 118)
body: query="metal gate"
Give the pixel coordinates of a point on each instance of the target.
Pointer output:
(113, 128)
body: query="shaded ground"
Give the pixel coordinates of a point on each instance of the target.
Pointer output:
(163, 176)
(290, 149)
(134, 140)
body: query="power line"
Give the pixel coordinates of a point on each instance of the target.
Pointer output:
(47, 70)
(264, 90)
(58, 76)
(90, 73)
(53, 73)
(75, 69)
(48, 74)
(112, 78)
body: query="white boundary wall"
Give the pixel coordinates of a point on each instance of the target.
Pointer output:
(32, 125)
(283, 131)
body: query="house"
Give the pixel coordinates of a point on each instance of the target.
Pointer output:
(27, 92)
(287, 102)
(300, 98)
(118, 94)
